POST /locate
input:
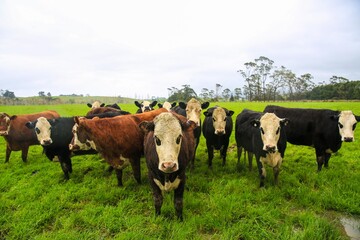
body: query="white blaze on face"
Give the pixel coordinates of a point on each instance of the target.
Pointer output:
(77, 145)
(219, 120)
(167, 106)
(145, 106)
(43, 131)
(193, 111)
(95, 104)
(347, 124)
(167, 137)
(4, 125)
(270, 131)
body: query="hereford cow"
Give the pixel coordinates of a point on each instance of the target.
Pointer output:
(169, 145)
(119, 139)
(95, 104)
(167, 105)
(264, 135)
(17, 136)
(323, 129)
(192, 111)
(217, 129)
(145, 106)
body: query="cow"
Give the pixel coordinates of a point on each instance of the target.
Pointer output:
(192, 111)
(167, 105)
(169, 145)
(145, 106)
(17, 136)
(119, 140)
(322, 129)
(264, 135)
(100, 110)
(95, 104)
(217, 128)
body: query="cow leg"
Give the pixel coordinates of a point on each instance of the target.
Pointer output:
(178, 199)
(157, 195)
(250, 158)
(8, 152)
(276, 171)
(239, 152)
(320, 158)
(327, 157)
(223, 151)
(135, 165)
(24, 153)
(210, 150)
(64, 166)
(262, 171)
(119, 174)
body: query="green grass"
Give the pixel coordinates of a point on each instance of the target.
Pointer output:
(222, 203)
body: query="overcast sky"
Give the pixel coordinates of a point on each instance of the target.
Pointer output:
(140, 48)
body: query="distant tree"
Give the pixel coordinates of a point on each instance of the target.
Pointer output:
(251, 77)
(263, 67)
(8, 94)
(217, 91)
(41, 94)
(237, 93)
(205, 94)
(226, 93)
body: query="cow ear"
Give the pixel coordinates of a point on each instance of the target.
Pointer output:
(89, 105)
(205, 105)
(229, 113)
(334, 117)
(13, 117)
(255, 123)
(188, 124)
(137, 104)
(147, 126)
(207, 114)
(160, 105)
(30, 125)
(53, 121)
(357, 118)
(284, 121)
(173, 104)
(182, 105)
(102, 105)
(153, 104)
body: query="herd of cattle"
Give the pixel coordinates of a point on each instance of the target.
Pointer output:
(169, 135)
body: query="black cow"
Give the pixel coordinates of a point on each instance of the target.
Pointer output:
(264, 135)
(145, 106)
(192, 111)
(323, 129)
(217, 129)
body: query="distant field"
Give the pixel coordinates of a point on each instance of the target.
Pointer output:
(222, 203)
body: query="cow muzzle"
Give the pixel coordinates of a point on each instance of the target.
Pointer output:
(270, 149)
(46, 142)
(220, 132)
(74, 147)
(348, 139)
(168, 167)
(4, 133)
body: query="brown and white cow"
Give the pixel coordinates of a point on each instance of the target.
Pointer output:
(192, 111)
(169, 146)
(18, 137)
(119, 140)
(95, 104)
(264, 135)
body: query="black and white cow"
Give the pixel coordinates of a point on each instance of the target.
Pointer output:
(168, 146)
(167, 105)
(145, 106)
(95, 104)
(264, 135)
(192, 111)
(323, 129)
(217, 129)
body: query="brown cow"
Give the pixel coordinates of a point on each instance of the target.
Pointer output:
(17, 135)
(119, 139)
(169, 146)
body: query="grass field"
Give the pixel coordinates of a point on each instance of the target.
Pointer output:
(222, 203)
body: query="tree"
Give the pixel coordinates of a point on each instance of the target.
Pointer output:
(217, 91)
(205, 94)
(8, 94)
(237, 93)
(226, 93)
(41, 94)
(263, 67)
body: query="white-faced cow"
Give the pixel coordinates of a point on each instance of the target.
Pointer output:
(217, 129)
(119, 140)
(192, 111)
(323, 129)
(95, 104)
(145, 106)
(167, 105)
(17, 136)
(264, 135)
(169, 145)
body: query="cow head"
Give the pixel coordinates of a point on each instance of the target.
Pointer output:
(167, 105)
(219, 116)
(146, 106)
(193, 109)
(167, 136)
(270, 125)
(42, 128)
(80, 140)
(5, 120)
(347, 123)
(95, 104)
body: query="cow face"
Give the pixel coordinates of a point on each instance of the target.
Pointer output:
(4, 124)
(347, 123)
(146, 106)
(80, 140)
(95, 104)
(42, 128)
(193, 110)
(270, 125)
(219, 116)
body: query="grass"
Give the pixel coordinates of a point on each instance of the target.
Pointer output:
(222, 203)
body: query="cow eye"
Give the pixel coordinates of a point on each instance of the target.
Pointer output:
(340, 125)
(178, 139)
(214, 119)
(262, 130)
(277, 131)
(157, 141)
(37, 130)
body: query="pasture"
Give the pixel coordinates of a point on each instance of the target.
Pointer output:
(219, 203)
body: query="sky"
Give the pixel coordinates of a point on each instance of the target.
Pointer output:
(140, 48)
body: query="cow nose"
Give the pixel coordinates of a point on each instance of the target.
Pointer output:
(270, 149)
(74, 147)
(348, 139)
(169, 167)
(220, 132)
(46, 142)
